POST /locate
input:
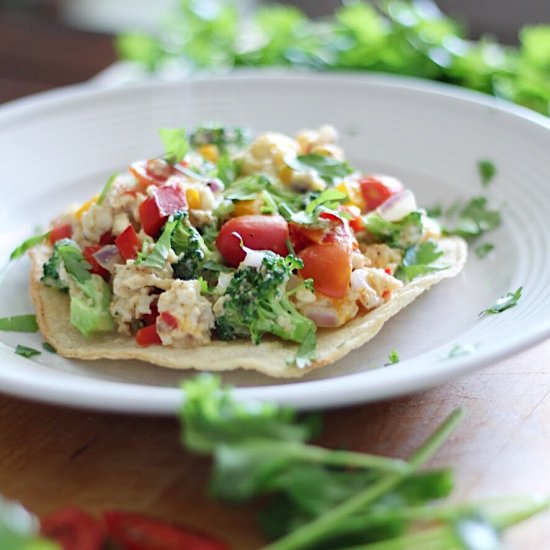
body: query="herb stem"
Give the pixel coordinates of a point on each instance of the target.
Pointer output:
(317, 529)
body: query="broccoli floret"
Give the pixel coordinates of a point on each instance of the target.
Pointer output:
(257, 302)
(191, 249)
(50, 272)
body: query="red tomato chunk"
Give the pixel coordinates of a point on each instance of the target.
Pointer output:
(257, 232)
(156, 209)
(377, 189)
(128, 243)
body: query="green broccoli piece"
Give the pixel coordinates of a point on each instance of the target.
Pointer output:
(191, 249)
(50, 272)
(257, 302)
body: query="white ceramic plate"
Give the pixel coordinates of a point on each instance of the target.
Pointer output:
(59, 147)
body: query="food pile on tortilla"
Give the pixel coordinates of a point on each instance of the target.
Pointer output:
(271, 254)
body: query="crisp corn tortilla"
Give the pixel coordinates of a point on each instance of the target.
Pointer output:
(271, 357)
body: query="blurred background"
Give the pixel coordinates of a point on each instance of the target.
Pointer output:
(472, 43)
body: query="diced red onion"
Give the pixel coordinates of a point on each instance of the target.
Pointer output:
(108, 256)
(253, 258)
(322, 316)
(215, 185)
(397, 206)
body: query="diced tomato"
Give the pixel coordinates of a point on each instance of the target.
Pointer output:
(107, 238)
(257, 232)
(355, 221)
(74, 530)
(156, 209)
(170, 321)
(88, 254)
(301, 236)
(151, 172)
(58, 232)
(148, 336)
(151, 318)
(329, 265)
(128, 243)
(377, 189)
(133, 531)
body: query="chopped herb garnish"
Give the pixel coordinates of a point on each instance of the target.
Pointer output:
(306, 352)
(73, 259)
(435, 211)
(106, 189)
(483, 249)
(19, 323)
(28, 244)
(418, 260)
(158, 256)
(459, 350)
(328, 168)
(475, 219)
(24, 351)
(487, 172)
(48, 347)
(175, 144)
(504, 302)
(393, 357)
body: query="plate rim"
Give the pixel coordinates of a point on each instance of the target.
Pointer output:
(120, 397)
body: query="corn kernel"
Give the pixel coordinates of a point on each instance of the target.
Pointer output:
(353, 191)
(209, 152)
(193, 198)
(247, 208)
(85, 207)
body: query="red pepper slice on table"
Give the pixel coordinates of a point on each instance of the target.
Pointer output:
(133, 531)
(74, 529)
(156, 209)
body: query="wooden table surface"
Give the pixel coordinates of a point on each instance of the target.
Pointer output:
(51, 457)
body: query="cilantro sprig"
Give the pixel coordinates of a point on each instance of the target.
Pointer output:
(175, 144)
(419, 260)
(328, 168)
(509, 300)
(474, 219)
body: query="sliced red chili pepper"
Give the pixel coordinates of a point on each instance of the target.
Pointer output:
(58, 232)
(74, 529)
(170, 321)
(136, 532)
(156, 209)
(128, 243)
(88, 254)
(148, 336)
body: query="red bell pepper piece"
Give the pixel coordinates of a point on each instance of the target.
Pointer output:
(148, 336)
(128, 243)
(133, 531)
(58, 232)
(74, 530)
(156, 209)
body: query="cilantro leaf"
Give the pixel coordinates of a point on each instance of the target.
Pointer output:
(48, 347)
(475, 219)
(74, 261)
(175, 144)
(328, 168)
(487, 171)
(28, 244)
(504, 302)
(402, 234)
(106, 189)
(418, 260)
(393, 357)
(24, 351)
(220, 136)
(19, 323)
(483, 249)
(306, 352)
(158, 256)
